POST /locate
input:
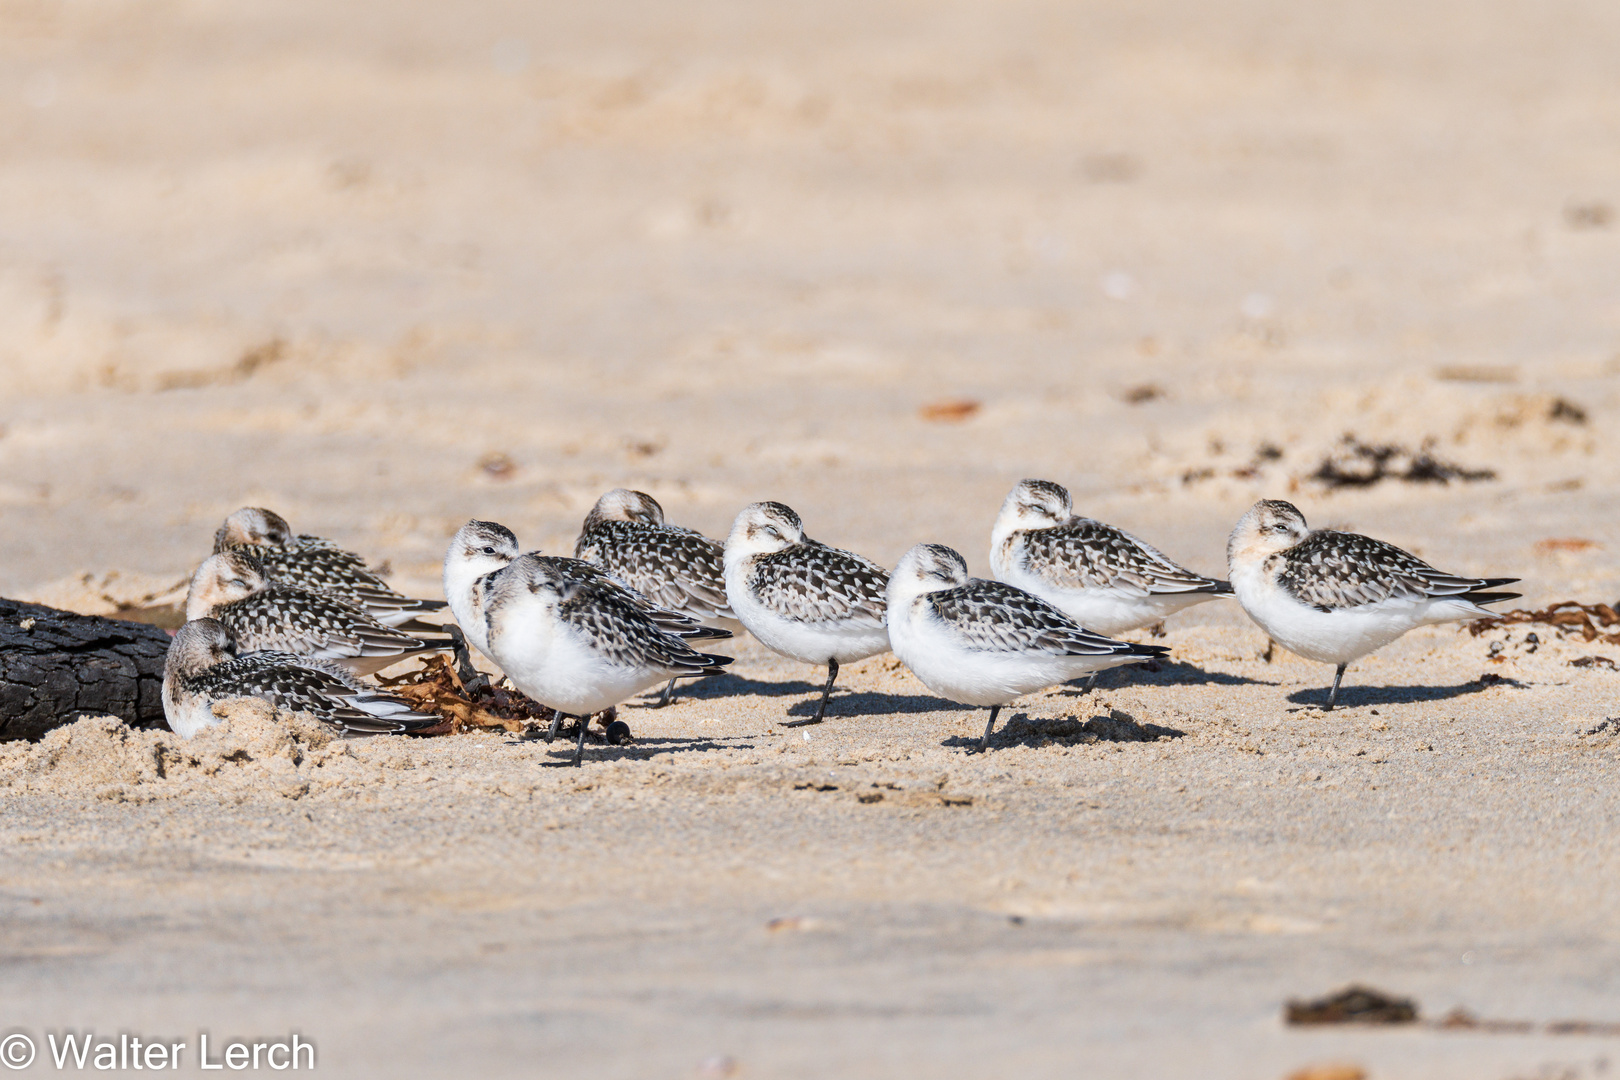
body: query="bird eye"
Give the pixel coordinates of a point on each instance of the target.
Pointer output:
(488, 550)
(239, 583)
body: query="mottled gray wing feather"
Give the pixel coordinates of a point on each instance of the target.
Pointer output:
(297, 684)
(618, 628)
(1087, 554)
(298, 620)
(994, 617)
(675, 568)
(314, 563)
(812, 582)
(1344, 570)
(671, 622)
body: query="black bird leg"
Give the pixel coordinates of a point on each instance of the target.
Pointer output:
(1333, 694)
(984, 743)
(669, 695)
(579, 747)
(826, 692)
(556, 723)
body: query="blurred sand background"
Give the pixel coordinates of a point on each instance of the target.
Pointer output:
(385, 267)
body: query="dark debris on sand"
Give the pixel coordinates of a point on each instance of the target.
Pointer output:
(1362, 1005)
(1570, 618)
(1354, 463)
(1352, 1005)
(435, 688)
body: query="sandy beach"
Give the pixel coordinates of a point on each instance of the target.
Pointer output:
(387, 267)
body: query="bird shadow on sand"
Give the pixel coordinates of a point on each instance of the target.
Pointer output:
(1161, 673)
(638, 749)
(850, 703)
(859, 703)
(1023, 730)
(1357, 696)
(723, 686)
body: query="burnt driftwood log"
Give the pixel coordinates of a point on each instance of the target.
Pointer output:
(56, 666)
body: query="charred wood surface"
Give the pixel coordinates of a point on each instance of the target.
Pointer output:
(56, 666)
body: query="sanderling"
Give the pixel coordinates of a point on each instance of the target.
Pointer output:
(578, 645)
(481, 548)
(1335, 597)
(801, 598)
(478, 549)
(203, 667)
(262, 613)
(1103, 578)
(676, 568)
(313, 563)
(985, 642)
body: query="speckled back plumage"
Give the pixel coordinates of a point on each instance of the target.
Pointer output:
(1332, 570)
(299, 684)
(994, 617)
(669, 621)
(626, 634)
(675, 568)
(306, 622)
(811, 582)
(1088, 554)
(313, 563)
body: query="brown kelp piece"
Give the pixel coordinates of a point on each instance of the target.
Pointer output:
(434, 688)
(1353, 463)
(1571, 618)
(1352, 1005)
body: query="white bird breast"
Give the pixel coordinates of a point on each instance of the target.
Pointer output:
(1109, 611)
(460, 577)
(1330, 637)
(978, 677)
(807, 642)
(557, 667)
(189, 715)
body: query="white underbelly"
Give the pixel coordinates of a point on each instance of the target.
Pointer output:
(472, 624)
(189, 716)
(564, 674)
(808, 642)
(1340, 636)
(983, 678)
(1109, 612)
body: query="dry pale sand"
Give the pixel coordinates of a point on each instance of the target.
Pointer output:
(334, 258)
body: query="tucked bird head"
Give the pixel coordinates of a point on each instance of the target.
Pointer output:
(479, 548)
(223, 579)
(929, 568)
(1270, 526)
(198, 646)
(764, 527)
(1036, 504)
(256, 526)
(622, 504)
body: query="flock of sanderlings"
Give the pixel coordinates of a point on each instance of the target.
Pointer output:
(299, 621)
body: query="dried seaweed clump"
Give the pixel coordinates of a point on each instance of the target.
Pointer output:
(435, 688)
(1356, 464)
(1352, 1005)
(1570, 618)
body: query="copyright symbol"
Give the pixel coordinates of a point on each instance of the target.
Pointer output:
(17, 1052)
